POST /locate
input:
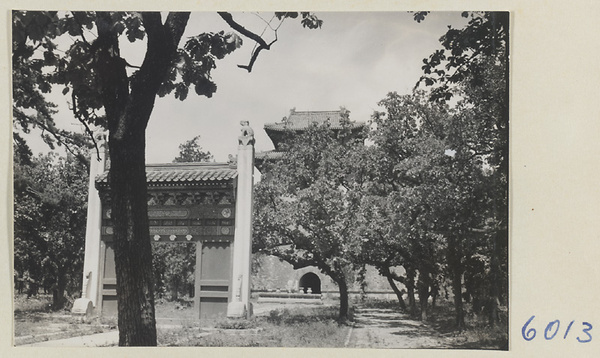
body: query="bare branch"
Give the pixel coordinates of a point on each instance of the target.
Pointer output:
(268, 23)
(262, 44)
(83, 120)
(249, 66)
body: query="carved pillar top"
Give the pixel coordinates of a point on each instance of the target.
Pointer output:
(247, 136)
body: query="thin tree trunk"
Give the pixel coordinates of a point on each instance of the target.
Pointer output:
(58, 293)
(32, 289)
(344, 302)
(456, 275)
(423, 287)
(174, 289)
(398, 293)
(435, 291)
(410, 288)
(458, 304)
(496, 279)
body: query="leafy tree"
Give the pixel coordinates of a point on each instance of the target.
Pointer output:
(108, 91)
(380, 221)
(473, 64)
(50, 217)
(406, 154)
(173, 265)
(191, 151)
(305, 204)
(429, 196)
(457, 208)
(485, 109)
(27, 238)
(461, 58)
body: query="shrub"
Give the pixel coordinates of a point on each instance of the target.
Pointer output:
(277, 316)
(232, 323)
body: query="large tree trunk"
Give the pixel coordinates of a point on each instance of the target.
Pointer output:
(128, 106)
(133, 251)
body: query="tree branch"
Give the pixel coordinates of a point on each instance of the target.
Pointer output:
(81, 27)
(57, 135)
(161, 48)
(83, 118)
(242, 30)
(262, 44)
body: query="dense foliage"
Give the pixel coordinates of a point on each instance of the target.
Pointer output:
(49, 231)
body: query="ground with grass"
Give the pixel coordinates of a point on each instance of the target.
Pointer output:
(34, 321)
(374, 324)
(273, 326)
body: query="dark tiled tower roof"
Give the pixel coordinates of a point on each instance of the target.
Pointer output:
(299, 121)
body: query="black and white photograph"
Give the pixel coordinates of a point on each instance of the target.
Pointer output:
(341, 182)
(291, 179)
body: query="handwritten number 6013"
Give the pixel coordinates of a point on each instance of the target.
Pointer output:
(553, 328)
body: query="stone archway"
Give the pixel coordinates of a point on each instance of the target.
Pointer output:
(310, 280)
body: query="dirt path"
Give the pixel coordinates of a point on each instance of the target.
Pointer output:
(385, 328)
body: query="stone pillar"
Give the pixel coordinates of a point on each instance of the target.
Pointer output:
(240, 305)
(91, 261)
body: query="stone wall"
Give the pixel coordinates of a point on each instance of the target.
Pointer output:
(270, 274)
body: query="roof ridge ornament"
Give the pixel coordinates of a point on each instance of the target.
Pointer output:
(247, 137)
(232, 161)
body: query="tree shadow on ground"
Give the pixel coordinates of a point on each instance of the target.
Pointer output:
(477, 334)
(440, 326)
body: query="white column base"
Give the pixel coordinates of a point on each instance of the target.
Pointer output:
(239, 310)
(83, 306)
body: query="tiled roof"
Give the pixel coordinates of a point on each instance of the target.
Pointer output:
(271, 154)
(300, 120)
(183, 173)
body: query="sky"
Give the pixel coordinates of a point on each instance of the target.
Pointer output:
(353, 61)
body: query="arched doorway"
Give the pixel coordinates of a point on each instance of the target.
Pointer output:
(310, 280)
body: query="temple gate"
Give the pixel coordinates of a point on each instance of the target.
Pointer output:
(187, 202)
